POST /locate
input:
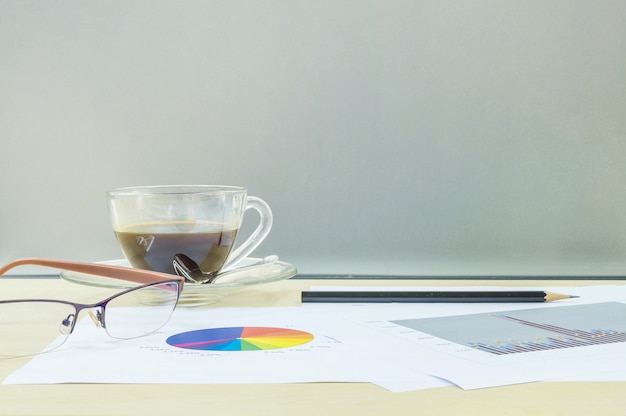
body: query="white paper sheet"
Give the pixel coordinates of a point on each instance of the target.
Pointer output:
(351, 343)
(89, 356)
(471, 368)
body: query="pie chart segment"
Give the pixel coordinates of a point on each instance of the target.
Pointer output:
(240, 339)
(198, 340)
(261, 344)
(230, 345)
(264, 331)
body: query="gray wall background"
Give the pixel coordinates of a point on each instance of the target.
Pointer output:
(483, 136)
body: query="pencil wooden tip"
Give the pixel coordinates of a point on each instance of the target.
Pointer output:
(550, 296)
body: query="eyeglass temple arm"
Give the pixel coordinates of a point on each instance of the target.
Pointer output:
(116, 272)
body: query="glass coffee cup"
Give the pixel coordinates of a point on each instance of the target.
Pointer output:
(154, 223)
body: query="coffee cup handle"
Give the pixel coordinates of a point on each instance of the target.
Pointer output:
(259, 234)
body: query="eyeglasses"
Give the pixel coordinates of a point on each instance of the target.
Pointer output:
(32, 326)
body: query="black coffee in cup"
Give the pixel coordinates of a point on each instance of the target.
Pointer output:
(154, 223)
(152, 246)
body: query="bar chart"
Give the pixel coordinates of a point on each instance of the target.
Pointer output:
(530, 330)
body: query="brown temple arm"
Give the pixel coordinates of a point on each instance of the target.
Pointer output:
(117, 272)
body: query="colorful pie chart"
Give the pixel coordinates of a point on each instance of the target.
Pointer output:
(240, 338)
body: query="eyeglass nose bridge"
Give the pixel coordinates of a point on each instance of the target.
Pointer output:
(98, 317)
(66, 326)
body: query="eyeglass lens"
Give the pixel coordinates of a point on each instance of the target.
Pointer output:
(28, 328)
(124, 319)
(35, 326)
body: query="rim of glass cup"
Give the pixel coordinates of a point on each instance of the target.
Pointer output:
(175, 189)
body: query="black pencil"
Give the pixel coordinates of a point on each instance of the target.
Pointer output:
(431, 297)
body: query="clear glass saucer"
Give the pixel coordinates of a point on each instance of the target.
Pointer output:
(199, 294)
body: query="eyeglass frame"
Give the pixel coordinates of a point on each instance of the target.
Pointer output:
(145, 278)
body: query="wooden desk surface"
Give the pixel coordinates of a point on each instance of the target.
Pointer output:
(606, 398)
